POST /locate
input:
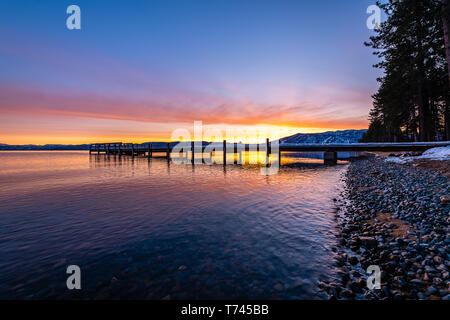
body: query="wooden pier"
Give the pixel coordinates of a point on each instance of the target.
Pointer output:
(330, 150)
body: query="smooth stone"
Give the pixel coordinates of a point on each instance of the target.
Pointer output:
(417, 282)
(421, 296)
(445, 199)
(432, 290)
(353, 260)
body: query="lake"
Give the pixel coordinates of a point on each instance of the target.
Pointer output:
(159, 230)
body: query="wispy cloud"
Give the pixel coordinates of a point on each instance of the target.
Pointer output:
(182, 107)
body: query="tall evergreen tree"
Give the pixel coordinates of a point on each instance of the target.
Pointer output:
(412, 99)
(446, 26)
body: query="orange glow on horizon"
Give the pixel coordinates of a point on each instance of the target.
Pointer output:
(34, 115)
(253, 134)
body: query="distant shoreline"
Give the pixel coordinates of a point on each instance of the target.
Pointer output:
(340, 136)
(43, 148)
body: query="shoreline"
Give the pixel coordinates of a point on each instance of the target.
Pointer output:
(394, 216)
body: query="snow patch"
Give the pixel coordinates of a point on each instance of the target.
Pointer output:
(397, 159)
(440, 153)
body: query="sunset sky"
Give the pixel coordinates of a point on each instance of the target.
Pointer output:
(137, 70)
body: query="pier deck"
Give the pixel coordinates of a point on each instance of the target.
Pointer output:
(330, 150)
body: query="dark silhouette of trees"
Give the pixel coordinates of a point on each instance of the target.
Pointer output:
(412, 102)
(446, 26)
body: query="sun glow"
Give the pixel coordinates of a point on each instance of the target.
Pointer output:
(244, 134)
(64, 130)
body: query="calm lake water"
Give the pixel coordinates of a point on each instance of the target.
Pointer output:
(153, 230)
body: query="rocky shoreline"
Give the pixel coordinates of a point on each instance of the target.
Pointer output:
(396, 217)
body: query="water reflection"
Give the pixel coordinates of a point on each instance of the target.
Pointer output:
(244, 159)
(152, 229)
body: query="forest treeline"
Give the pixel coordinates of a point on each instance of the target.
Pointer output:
(413, 99)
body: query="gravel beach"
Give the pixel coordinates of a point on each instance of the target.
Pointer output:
(395, 216)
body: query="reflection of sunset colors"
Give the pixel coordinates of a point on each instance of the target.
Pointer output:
(110, 214)
(168, 65)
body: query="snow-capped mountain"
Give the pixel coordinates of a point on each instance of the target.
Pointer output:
(329, 137)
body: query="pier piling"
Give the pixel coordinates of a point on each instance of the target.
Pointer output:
(224, 152)
(330, 157)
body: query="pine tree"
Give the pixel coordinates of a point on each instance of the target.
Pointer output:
(446, 27)
(412, 99)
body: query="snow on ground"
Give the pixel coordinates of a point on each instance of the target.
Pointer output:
(441, 153)
(397, 159)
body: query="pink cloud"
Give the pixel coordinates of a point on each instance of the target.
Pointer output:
(181, 108)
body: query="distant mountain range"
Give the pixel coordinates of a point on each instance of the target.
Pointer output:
(330, 137)
(44, 147)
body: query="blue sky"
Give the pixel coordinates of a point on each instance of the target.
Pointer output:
(234, 60)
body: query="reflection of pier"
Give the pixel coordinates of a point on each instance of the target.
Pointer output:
(190, 149)
(231, 149)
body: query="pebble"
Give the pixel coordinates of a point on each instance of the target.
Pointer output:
(411, 250)
(432, 290)
(421, 296)
(445, 199)
(278, 287)
(353, 260)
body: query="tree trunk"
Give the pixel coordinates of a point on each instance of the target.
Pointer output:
(414, 125)
(447, 121)
(446, 21)
(426, 132)
(425, 118)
